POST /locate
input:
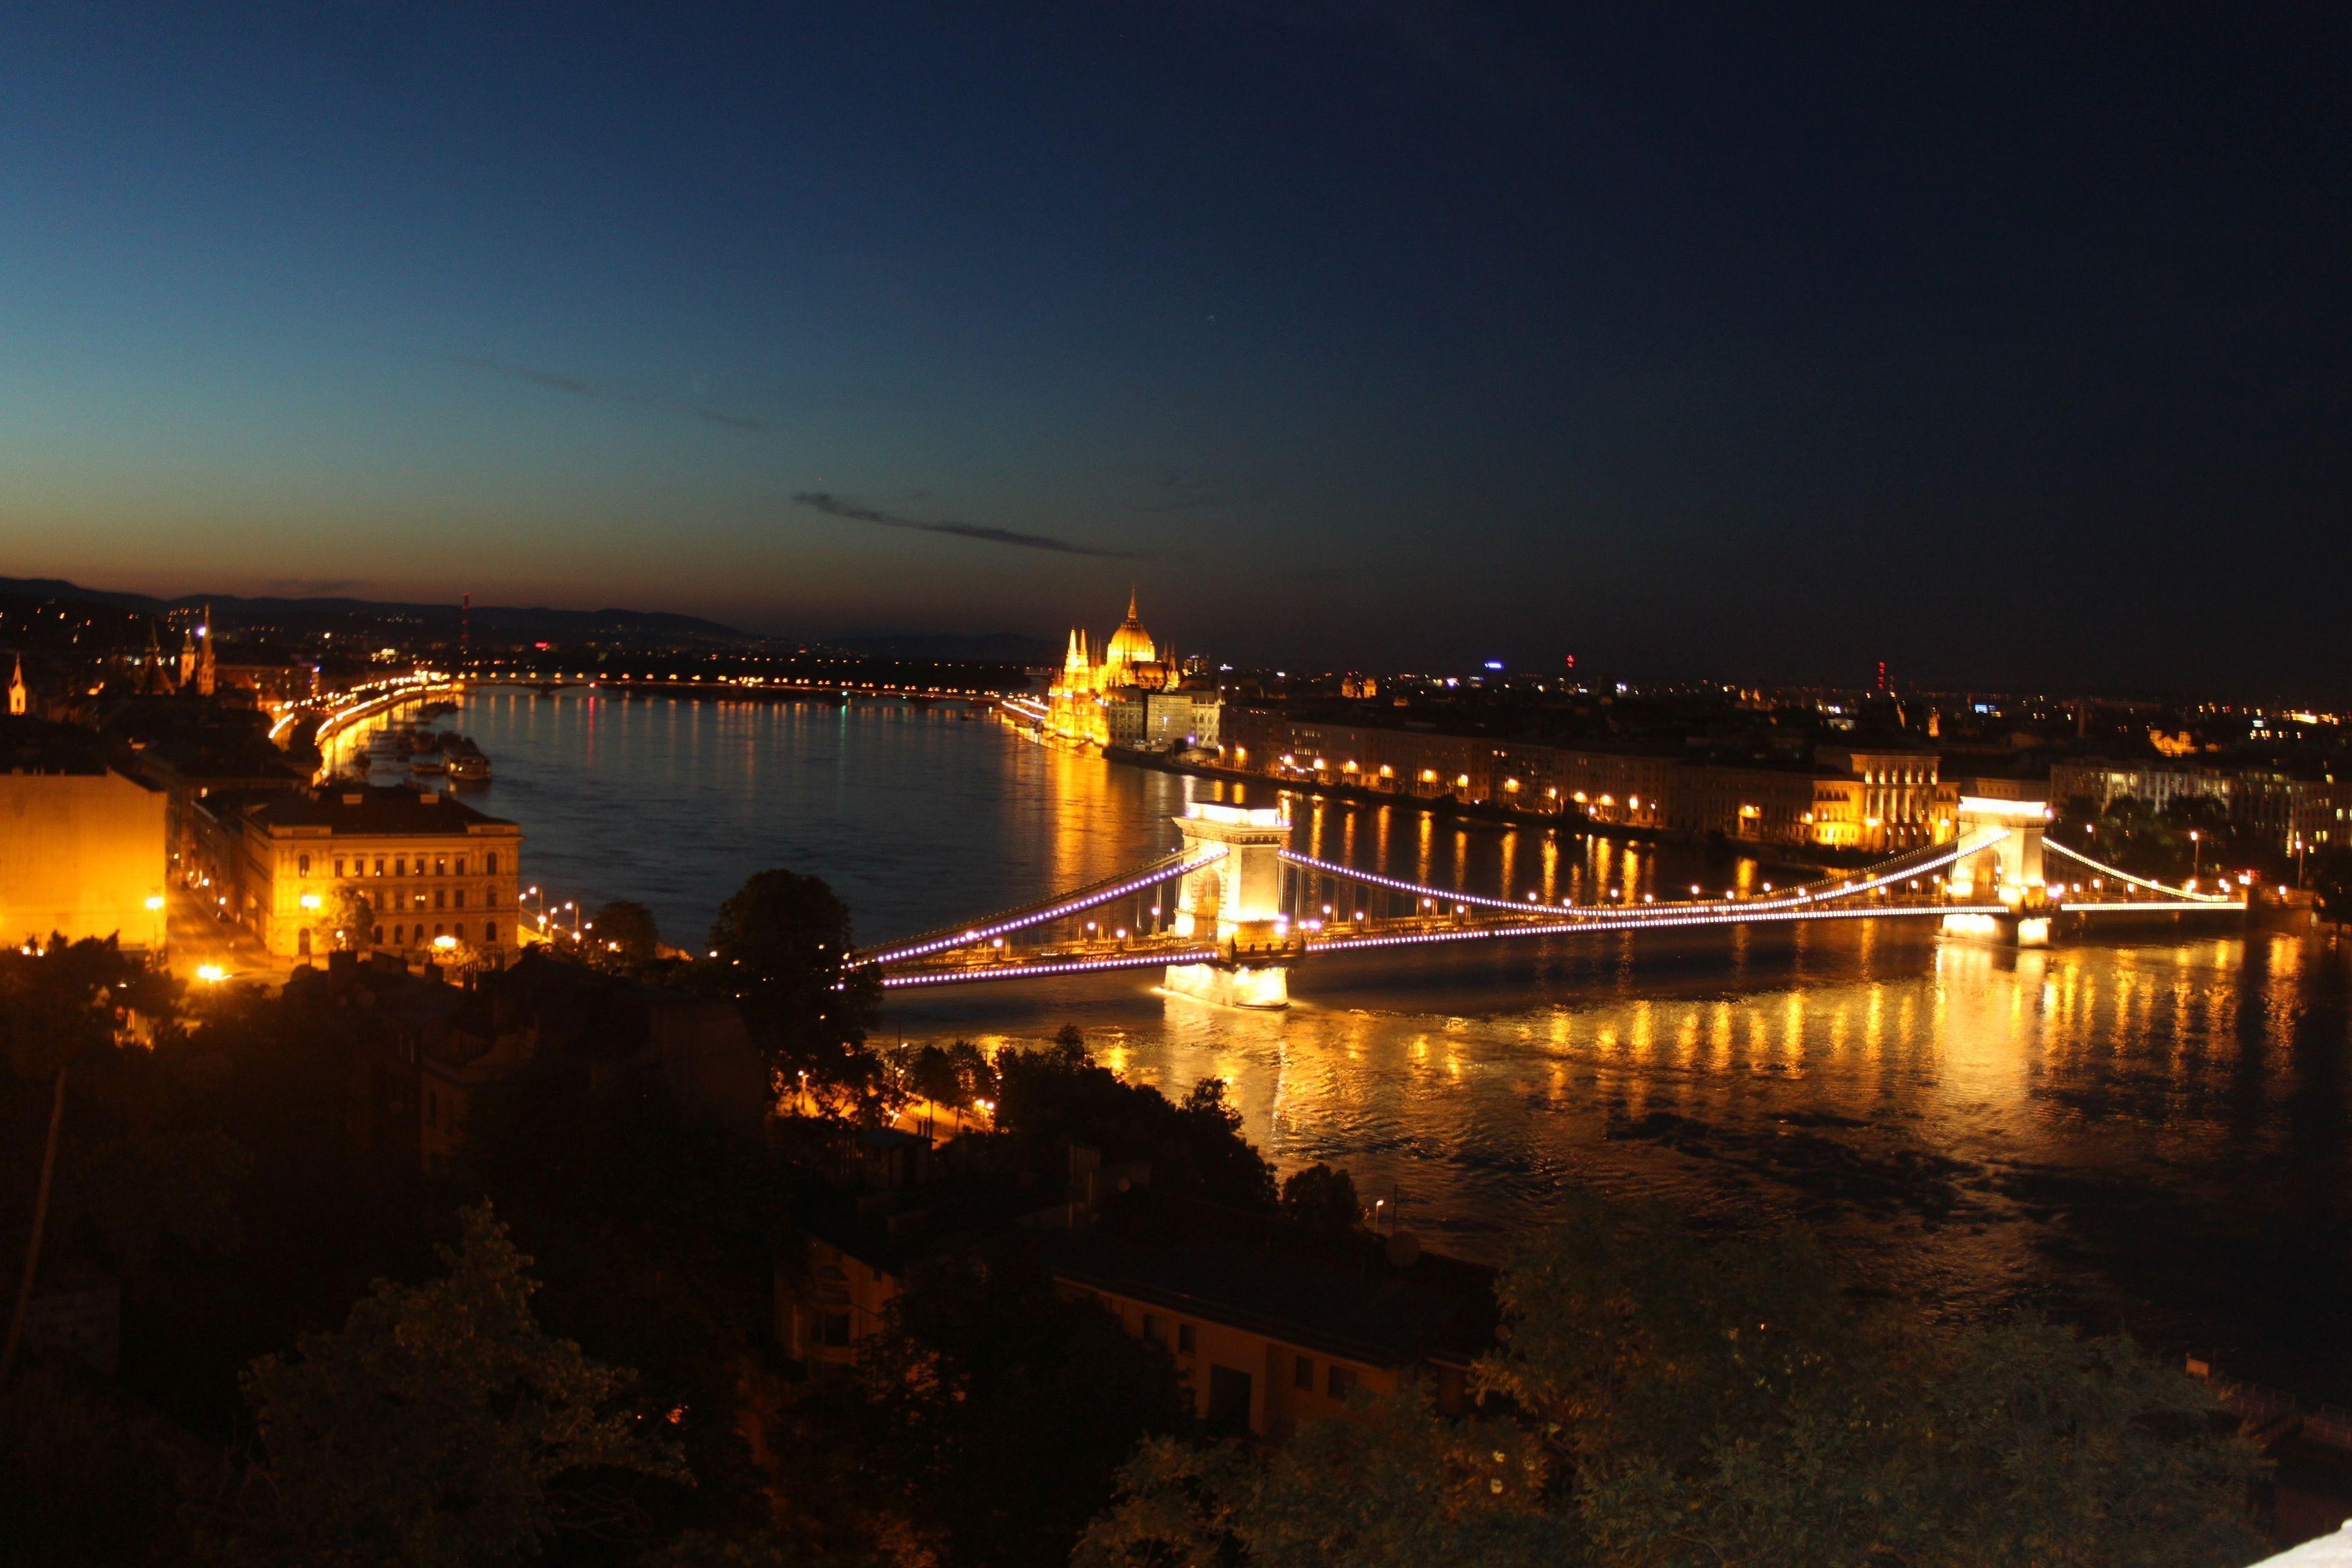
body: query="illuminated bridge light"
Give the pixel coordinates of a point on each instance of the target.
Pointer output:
(1040, 917)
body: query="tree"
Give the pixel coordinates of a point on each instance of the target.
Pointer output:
(1394, 1485)
(655, 1237)
(347, 923)
(996, 1413)
(57, 1005)
(1721, 1399)
(1321, 1198)
(627, 937)
(1686, 1402)
(780, 945)
(1064, 1095)
(440, 1425)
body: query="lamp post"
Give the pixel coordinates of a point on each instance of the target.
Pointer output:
(2196, 856)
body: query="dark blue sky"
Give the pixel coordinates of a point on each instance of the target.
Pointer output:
(2004, 345)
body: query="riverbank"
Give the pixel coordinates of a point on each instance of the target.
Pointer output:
(1773, 857)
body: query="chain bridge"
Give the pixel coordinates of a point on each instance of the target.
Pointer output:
(1229, 914)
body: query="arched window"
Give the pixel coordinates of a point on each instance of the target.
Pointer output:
(302, 941)
(302, 865)
(376, 936)
(400, 936)
(460, 931)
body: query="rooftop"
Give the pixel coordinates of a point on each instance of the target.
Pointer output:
(366, 810)
(1340, 1294)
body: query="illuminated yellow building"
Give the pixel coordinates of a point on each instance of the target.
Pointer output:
(1079, 704)
(81, 854)
(428, 867)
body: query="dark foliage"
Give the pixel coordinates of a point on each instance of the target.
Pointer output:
(780, 946)
(1062, 1095)
(653, 1234)
(1322, 1198)
(990, 1418)
(622, 937)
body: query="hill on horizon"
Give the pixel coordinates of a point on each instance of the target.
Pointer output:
(500, 617)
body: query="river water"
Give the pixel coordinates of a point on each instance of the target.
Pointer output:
(2154, 1133)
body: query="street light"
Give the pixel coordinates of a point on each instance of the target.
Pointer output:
(2196, 856)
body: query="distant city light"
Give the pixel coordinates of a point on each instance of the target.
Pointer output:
(1493, 664)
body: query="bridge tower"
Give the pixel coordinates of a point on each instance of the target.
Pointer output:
(1236, 902)
(2008, 871)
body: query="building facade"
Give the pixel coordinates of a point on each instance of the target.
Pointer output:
(299, 868)
(1874, 801)
(81, 855)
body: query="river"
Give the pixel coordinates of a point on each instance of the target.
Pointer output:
(2154, 1134)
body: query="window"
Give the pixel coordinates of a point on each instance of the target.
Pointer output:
(461, 865)
(400, 867)
(491, 865)
(302, 865)
(1184, 1345)
(1154, 1329)
(376, 936)
(437, 929)
(1340, 1383)
(834, 1329)
(302, 941)
(338, 867)
(379, 865)
(460, 899)
(1303, 1374)
(489, 933)
(440, 897)
(440, 865)
(400, 936)
(461, 930)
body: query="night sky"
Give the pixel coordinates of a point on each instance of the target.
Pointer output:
(2004, 345)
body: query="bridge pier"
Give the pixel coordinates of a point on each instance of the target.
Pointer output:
(2007, 872)
(1236, 902)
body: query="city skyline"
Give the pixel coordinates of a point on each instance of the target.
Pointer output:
(2009, 351)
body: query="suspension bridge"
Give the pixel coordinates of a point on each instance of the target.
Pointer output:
(1236, 908)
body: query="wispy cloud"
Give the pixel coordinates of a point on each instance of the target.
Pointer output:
(837, 506)
(572, 385)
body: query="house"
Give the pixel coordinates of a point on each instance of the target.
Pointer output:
(1272, 1323)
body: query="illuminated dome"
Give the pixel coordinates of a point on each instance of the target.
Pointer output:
(1131, 645)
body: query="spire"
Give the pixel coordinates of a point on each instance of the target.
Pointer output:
(204, 656)
(18, 698)
(1130, 605)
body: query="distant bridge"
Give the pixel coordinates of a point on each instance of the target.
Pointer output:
(1238, 922)
(741, 685)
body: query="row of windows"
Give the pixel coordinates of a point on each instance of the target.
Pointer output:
(1340, 1382)
(443, 898)
(400, 864)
